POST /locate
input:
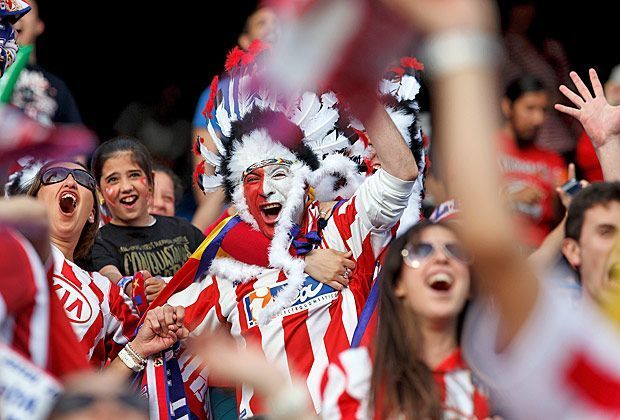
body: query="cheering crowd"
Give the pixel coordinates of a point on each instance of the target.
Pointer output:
(342, 262)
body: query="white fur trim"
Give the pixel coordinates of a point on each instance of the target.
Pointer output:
(402, 121)
(411, 215)
(279, 256)
(233, 270)
(323, 179)
(254, 147)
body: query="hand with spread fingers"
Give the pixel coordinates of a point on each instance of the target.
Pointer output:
(600, 120)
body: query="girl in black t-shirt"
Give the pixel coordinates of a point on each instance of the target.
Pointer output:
(135, 240)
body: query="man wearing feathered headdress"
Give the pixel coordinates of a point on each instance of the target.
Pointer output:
(270, 153)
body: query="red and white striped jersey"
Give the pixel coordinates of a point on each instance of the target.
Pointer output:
(563, 364)
(321, 321)
(346, 388)
(24, 299)
(103, 318)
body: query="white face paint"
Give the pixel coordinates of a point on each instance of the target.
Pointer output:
(266, 190)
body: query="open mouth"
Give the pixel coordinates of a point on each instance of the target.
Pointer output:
(129, 201)
(271, 212)
(68, 202)
(441, 282)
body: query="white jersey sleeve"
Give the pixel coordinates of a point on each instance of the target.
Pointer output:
(562, 365)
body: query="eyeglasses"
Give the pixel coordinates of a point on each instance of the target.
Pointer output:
(59, 174)
(70, 403)
(413, 253)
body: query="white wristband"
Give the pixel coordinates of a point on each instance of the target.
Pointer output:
(455, 51)
(129, 360)
(135, 354)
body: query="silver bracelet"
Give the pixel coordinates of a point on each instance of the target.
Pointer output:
(129, 360)
(135, 354)
(289, 403)
(457, 50)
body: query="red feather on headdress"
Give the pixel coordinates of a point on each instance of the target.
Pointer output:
(233, 58)
(411, 62)
(207, 112)
(200, 170)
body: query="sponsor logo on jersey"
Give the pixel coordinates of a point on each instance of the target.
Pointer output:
(77, 307)
(312, 293)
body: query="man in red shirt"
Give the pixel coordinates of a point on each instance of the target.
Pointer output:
(530, 173)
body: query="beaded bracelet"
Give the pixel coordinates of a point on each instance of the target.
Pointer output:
(128, 359)
(135, 354)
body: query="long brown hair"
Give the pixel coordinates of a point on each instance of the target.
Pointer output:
(89, 231)
(402, 383)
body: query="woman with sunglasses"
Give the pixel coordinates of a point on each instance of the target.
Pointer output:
(414, 369)
(102, 317)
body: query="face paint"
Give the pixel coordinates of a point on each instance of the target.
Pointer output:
(266, 190)
(110, 193)
(126, 190)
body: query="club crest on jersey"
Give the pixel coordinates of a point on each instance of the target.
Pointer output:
(77, 307)
(312, 293)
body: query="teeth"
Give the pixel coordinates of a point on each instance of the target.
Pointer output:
(441, 277)
(68, 202)
(129, 200)
(271, 206)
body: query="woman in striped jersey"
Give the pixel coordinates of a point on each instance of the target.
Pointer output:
(102, 316)
(414, 368)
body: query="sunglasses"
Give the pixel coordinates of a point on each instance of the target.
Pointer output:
(58, 174)
(413, 253)
(70, 403)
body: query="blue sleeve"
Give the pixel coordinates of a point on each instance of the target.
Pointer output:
(199, 120)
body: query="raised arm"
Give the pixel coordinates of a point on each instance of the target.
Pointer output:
(396, 158)
(600, 120)
(466, 104)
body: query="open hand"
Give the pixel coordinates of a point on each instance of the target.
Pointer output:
(600, 120)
